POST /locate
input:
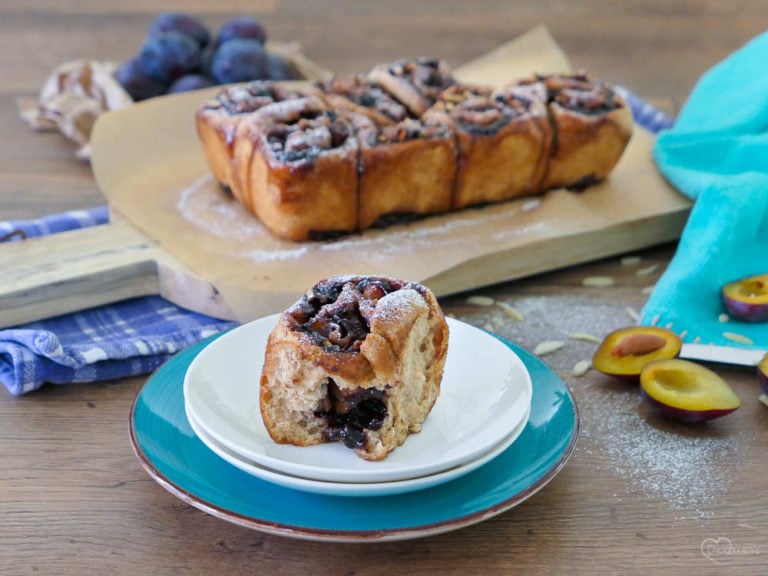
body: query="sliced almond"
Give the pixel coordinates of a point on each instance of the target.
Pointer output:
(740, 338)
(638, 344)
(584, 336)
(511, 311)
(581, 367)
(547, 347)
(480, 300)
(598, 281)
(647, 270)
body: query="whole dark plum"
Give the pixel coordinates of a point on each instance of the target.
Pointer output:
(190, 82)
(239, 60)
(278, 69)
(180, 22)
(169, 56)
(241, 27)
(137, 83)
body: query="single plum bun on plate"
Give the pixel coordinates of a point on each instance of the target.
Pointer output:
(687, 391)
(626, 351)
(747, 298)
(358, 359)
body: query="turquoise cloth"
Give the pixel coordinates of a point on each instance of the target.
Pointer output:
(717, 153)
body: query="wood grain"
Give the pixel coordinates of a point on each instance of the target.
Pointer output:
(640, 496)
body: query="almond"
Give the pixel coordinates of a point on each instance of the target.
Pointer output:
(638, 344)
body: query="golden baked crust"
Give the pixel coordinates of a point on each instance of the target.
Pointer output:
(358, 359)
(592, 126)
(502, 140)
(296, 167)
(394, 184)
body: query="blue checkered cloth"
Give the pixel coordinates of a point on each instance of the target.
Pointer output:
(128, 338)
(133, 337)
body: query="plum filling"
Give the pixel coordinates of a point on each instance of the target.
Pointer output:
(349, 414)
(313, 133)
(336, 315)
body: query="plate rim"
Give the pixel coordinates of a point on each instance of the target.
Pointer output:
(515, 411)
(357, 535)
(357, 488)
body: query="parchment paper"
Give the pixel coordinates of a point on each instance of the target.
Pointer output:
(149, 163)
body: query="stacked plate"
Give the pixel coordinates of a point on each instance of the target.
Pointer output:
(483, 407)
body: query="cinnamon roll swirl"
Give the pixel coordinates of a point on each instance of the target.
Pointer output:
(358, 95)
(501, 139)
(415, 82)
(217, 120)
(357, 359)
(296, 164)
(592, 125)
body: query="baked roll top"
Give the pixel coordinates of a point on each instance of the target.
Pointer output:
(358, 95)
(592, 126)
(217, 120)
(296, 163)
(357, 359)
(415, 82)
(502, 139)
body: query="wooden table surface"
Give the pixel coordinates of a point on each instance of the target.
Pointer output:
(639, 496)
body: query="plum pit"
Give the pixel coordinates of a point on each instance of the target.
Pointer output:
(625, 352)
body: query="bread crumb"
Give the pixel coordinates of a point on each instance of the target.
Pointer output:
(763, 398)
(480, 300)
(723, 318)
(547, 347)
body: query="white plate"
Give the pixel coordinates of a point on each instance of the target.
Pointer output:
(354, 488)
(485, 394)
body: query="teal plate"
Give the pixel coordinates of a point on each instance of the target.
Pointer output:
(173, 455)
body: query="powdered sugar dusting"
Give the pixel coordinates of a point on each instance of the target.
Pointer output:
(683, 465)
(208, 207)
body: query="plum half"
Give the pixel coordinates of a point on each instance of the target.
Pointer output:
(687, 391)
(747, 298)
(626, 351)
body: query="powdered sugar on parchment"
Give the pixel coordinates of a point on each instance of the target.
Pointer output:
(204, 205)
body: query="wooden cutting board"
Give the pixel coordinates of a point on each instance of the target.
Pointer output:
(71, 271)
